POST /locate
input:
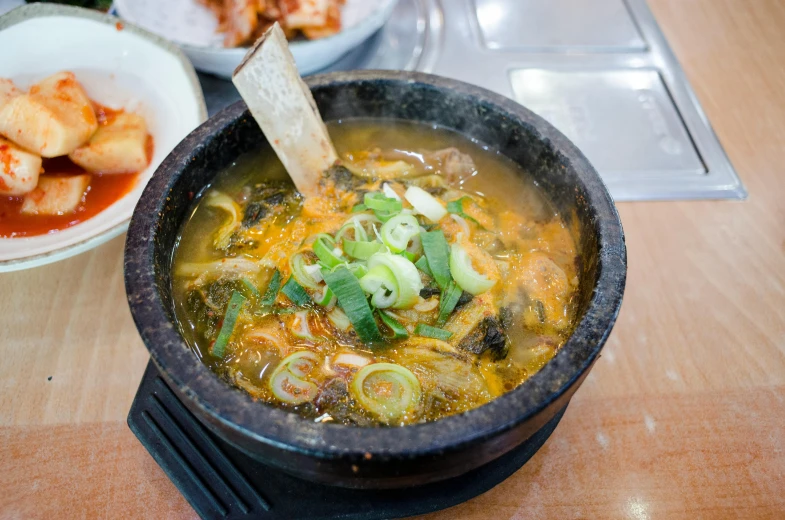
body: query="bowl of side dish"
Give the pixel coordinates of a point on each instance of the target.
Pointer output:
(369, 399)
(216, 35)
(88, 113)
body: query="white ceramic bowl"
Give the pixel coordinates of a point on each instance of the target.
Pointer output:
(129, 69)
(193, 27)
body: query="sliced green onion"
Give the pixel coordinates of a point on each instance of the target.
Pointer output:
(352, 300)
(407, 279)
(381, 284)
(398, 330)
(295, 292)
(355, 224)
(425, 203)
(438, 254)
(389, 191)
(301, 363)
(358, 270)
(300, 326)
(272, 289)
(448, 302)
(380, 202)
(384, 207)
(465, 229)
(324, 247)
(422, 265)
(339, 319)
(252, 289)
(230, 320)
(464, 273)
(456, 207)
(315, 272)
(386, 390)
(427, 331)
(398, 231)
(409, 256)
(324, 297)
(288, 382)
(415, 247)
(384, 216)
(283, 311)
(291, 389)
(361, 250)
(298, 266)
(359, 208)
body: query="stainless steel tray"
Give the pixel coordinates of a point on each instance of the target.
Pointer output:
(600, 70)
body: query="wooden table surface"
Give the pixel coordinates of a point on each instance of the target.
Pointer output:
(682, 417)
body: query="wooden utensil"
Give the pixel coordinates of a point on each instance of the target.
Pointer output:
(283, 106)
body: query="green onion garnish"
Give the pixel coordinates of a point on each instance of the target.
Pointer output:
(359, 208)
(230, 320)
(358, 270)
(398, 232)
(352, 300)
(409, 256)
(323, 298)
(295, 292)
(438, 254)
(360, 235)
(382, 285)
(422, 265)
(398, 330)
(396, 286)
(432, 332)
(378, 398)
(324, 247)
(464, 273)
(361, 250)
(252, 289)
(380, 202)
(384, 207)
(456, 207)
(447, 304)
(297, 265)
(272, 289)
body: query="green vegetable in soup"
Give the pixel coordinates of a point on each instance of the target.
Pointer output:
(419, 283)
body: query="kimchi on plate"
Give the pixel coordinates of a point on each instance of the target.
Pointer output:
(244, 21)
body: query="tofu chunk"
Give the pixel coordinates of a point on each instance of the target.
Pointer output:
(54, 118)
(19, 169)
(56, 195)
(8, 91)
(118, 147)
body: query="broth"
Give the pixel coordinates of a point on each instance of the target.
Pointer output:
(488, 315)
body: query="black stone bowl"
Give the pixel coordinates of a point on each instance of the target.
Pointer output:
(380, 457)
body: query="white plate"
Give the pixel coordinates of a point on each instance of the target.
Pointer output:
(127, 69)
(193, 27)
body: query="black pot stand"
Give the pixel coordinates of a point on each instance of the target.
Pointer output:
(221, 482)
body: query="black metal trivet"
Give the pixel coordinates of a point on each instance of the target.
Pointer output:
(221, 482)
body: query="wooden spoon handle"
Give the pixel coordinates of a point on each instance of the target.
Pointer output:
(283, 106)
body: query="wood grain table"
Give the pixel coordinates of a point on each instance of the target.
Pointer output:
(682, 417)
